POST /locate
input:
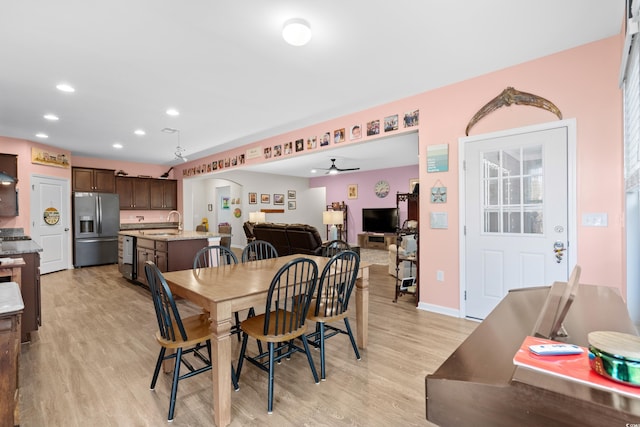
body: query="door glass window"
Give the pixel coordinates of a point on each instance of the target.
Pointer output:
(513, 191)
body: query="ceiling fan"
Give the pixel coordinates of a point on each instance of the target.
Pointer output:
(334, 169)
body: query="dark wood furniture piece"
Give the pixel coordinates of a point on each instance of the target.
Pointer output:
(8, 193)
(9, 358)
(479, 384)
(223, 290)
(30, 289)
(164, 194)
(147, 193)
(402, 230)
(92, 179)
(133, 193)
(169, 255)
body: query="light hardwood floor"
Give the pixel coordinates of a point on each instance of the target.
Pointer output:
(92, 360)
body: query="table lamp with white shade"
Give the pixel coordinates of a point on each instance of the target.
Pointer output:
(332, 218)
(257, 217)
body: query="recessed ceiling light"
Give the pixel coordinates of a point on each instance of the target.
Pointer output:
(42, 135)
(140, 132)
(173, 112)
(296, 32)
(117, 145)
(51, 117)
(64, 87)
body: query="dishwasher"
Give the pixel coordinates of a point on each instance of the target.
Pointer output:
(129, 258)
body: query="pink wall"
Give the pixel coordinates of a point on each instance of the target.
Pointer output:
(583, 83)
(336, 191)
(22, 148)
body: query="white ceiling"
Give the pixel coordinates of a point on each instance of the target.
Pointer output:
(225, 67)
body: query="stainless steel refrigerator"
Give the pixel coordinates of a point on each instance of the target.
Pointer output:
(96, 222)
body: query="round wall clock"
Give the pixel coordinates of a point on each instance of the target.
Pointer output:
(381, 188)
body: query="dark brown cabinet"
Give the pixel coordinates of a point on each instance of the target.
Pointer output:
(170, 255)
(30, 289)
(164, 194)
(8, 193)
(133, 192)
(98, 180)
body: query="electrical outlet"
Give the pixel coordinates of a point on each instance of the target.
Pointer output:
(440, 276)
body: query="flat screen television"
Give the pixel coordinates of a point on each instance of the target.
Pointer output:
(379, 220)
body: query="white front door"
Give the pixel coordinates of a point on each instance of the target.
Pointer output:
(515, 213)
(50, 221)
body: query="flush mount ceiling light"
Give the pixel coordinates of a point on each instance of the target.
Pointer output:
(51, 117)
(173, 112)
(42, 135)
(64, 87)
(296, 32)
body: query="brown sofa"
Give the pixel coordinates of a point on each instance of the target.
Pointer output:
(290, 238)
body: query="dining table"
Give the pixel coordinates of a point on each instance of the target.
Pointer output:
(223, 290)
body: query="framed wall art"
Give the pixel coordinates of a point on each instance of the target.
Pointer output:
(291, 205)
(253, 198)
(291, 194)
(278, 199)
(265, 198)
(352, 191)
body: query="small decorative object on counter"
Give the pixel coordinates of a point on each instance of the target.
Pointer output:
(205, 224)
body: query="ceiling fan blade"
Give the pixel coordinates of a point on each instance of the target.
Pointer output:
(347, 169)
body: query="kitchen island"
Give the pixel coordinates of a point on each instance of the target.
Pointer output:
(169, 249)
(29, 251)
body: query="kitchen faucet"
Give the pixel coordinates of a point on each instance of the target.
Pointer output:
(179, 219)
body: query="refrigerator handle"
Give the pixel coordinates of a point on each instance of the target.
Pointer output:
(99, 213)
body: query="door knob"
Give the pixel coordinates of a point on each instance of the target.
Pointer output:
(558, 248)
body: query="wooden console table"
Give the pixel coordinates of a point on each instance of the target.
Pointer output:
(376, 241)
(479, 384)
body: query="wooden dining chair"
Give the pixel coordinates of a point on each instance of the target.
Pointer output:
(207, 256)
(182, 337)
(331, 302)
(257, 250)
(287, 304)
(334, 247)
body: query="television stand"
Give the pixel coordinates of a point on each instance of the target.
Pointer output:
(376, 240)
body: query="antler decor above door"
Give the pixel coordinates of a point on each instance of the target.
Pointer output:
(512, 96)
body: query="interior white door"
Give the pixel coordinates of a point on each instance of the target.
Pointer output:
(50, 221)
(516, 215)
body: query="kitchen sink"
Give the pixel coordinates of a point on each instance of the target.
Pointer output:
(160, 233)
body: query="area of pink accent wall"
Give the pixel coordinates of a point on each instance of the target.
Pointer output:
(583, 83)
(22, 148)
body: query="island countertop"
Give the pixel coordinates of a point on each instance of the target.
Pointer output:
(167, 235)
(18, 247)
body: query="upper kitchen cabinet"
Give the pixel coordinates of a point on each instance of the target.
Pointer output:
(164, 194)
(96, 180)
(8, 192)
(133, 192)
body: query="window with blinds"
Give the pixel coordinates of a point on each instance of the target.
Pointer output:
(632, 120)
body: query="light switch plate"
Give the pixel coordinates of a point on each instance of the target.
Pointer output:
(595, 219)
